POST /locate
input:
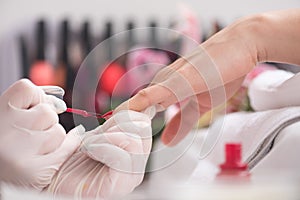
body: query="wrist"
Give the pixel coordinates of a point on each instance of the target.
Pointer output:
(255, 29)
(237, 48)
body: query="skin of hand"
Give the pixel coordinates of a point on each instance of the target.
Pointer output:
(33, 145)
(213, 72)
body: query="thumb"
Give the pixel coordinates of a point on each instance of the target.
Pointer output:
(24, 94)
(68, 147)
(54, 97)
(153, 95)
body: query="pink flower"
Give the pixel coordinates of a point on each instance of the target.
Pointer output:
(260, 68)
(240, 100)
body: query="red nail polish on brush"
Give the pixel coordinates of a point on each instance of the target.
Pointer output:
(41, 72)
(85, 113)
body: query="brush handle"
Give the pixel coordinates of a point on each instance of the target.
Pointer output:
(89, 114)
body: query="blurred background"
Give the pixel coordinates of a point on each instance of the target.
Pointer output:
(47, 42)
(52, 42)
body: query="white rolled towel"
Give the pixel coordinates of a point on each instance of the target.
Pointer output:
(274, 89)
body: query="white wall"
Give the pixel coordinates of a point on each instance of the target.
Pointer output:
(14, 12)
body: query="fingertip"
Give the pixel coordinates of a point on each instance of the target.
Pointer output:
(171, 130)
(168, 136)
(73, 138)
(58, 104)
(177, 129)
(78, 131)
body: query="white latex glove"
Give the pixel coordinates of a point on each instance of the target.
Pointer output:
(33, 145)
(111, 161)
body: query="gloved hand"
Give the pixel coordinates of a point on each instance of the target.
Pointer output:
(111, 160)
(33, 145)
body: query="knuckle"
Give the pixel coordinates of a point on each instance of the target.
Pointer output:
(144, 96)
(25, 85)
(27, 88)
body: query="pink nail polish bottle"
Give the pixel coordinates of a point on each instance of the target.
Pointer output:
(233, 169)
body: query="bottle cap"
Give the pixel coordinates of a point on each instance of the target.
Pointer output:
(233, 168)
(233, 158)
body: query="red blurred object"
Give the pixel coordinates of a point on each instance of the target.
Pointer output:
(42, 73)
(110, 78)
(233, 165)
